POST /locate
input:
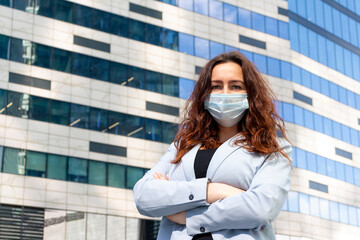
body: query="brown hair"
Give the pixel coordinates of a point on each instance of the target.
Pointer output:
(258, 126)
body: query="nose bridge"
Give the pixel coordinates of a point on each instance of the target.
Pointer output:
(226, 88)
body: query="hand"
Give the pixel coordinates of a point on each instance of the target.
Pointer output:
(179, 218)
(159, 176)
(218, 191)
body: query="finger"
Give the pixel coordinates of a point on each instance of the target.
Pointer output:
(167, 177)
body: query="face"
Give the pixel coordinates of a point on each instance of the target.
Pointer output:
(227, 78)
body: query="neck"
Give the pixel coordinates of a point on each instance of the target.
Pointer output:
(227, 132)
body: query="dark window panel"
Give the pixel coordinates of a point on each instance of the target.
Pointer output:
(136, 77)
(35, 164)
(77, 170)
(318, 186)
(39, 108)
(98, 119)
(198, 70)
(154, 81)
(107, 149)
(59, 112)
(56, 167)
(97, 173)
(3, 104)
(62, 60)
(133, 174)
(252, 42)
(153, 130)
(79, 116)
(101, 20)
(45, 8)
(81, 65)
(1, 157)
(170, 39)
(83, 16)
(27, 6)
(4, 47)
(136, 30)
(154, 35)
(135, 127)
(170, 85)
(29, 81)
(116, 175)
(156, 107)
(119, 25)
(14, 161)
(343, 153)
(118, 73)
(21, 51)
(6, 3)
(117, 123)
(283, 11)
(89, 43)
(17, 104)
(169, 131)
(145, 11)
(100, 69)
(150, 229)
(64, 11)
(302, 97)
(41, 55)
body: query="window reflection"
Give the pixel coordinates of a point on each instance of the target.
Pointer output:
(77, 171)
(35, 164)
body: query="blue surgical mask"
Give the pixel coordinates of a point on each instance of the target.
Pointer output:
(227, 109)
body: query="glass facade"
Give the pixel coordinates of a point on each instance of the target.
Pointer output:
(26, 106)
(65, 168)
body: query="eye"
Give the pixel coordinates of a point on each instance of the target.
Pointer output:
(215, 87)
(237, 87)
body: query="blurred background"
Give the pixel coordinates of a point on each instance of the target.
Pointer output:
(91, 94)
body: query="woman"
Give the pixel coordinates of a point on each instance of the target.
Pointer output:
(226, 176)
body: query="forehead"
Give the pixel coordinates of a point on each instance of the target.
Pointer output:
(229, 71)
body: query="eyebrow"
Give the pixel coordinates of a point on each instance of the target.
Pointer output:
(231, 81)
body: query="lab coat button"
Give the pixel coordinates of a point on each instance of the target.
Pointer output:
(191, 197)
(202, 229)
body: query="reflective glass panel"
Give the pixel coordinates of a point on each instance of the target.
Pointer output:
(299, 115)
(271, 26)
(216, 9)
(14, 161)
(117, 123)
(154, 35)
(313, 47)
(100, 69)
(273, 66)
(327, 127)
(83, 16)
(328, 18)
(321, 165)
(343, 213)
(349, 174)
(98, 119)
(35, 164)
(39, 108)
(311, 161)
(81, 65)
(2, 101)
(285, 70)
(170, 39)
(154, 81)
(319, 16)
(170, 85)
(288, 111)
(136, 30)
(101, 20)
(79, 116)
(314, 206)
(21, 51)
(186, 4)
(186, 43)
(336, 130)
(201, 6)
(186, 87)
(283, 29)
(136, 77)
(293, 201)
(216, 49)
(62, 60)
(304, 203)
(330, 166)
(59, 112)
(339, 56)
(1, 157)
(304, 45)
(27, 6)
(352, 215)
(17, 104)
(97, 173)
(45, 8)
(41, 55)
(4, 47)
(305, 78)
(309, 119)
(77, 171)
(315, 82)
(56, 167)
(260, 62)
(202, 48)
(133, 175)
(169, 131)
(340, 171)
(244, 18)
(345, 133)
(230, 13)
(119, 25)
(301, 158)
(258, 22)
(135, 127)
(322, 49)
(118, 73)
(153, 130)
(116, 175)
(330, 51)
(64, 11)
(324, 208)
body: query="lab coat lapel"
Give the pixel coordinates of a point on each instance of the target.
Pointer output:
(188, 163)
(220, 155)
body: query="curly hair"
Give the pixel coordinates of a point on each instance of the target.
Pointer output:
(258, 127)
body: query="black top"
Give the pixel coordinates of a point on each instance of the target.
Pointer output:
(201, 164)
